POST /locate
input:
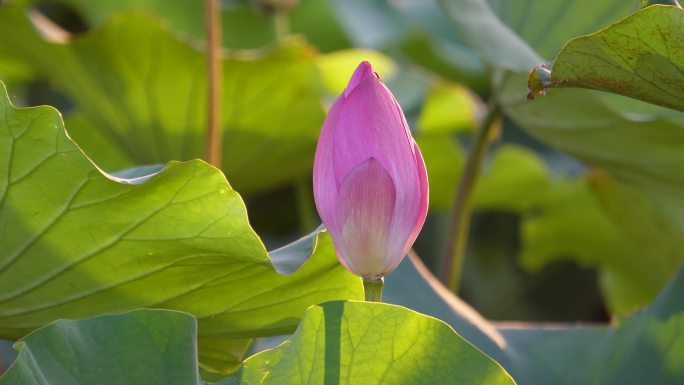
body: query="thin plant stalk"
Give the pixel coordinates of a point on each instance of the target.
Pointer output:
(372, 288)
(281, 19)
(214, 140)
(459, 223)
(308, 219)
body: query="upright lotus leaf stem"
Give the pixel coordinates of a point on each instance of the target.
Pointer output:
(457, 236)
(281, 20)
(370, 182)
(213, 33)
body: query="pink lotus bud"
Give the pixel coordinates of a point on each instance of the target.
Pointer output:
(370, 182)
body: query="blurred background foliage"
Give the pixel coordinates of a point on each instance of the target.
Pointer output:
(578, 212)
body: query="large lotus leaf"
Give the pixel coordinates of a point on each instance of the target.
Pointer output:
(13, 70)
(596, 222)
(650, 230)
(640, 56)
(512, 35)
(517, 34)
(593, 128)
(316, 20)
(642, 149)
(82, 128)
(379, 24)
(145, 92)
(76, 243)
(140, 347)
(242, 25)
(602, 133)
(570, 120)
(587, 221)
(337, 342)
(371, 343)
(629, 224)
(416, 28)
(645, 347)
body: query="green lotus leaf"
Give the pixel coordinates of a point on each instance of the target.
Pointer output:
(140, 92)
(77, 243)
(140, 347)
(516, 35)
(639, 56)
(371, 343)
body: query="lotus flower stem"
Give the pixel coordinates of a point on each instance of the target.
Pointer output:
(459, 228)
(372, 287)
(214, 141)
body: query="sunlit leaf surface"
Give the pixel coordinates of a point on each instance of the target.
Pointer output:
(371, 343)
(640, 56)
(142, 90)
(76, 243)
